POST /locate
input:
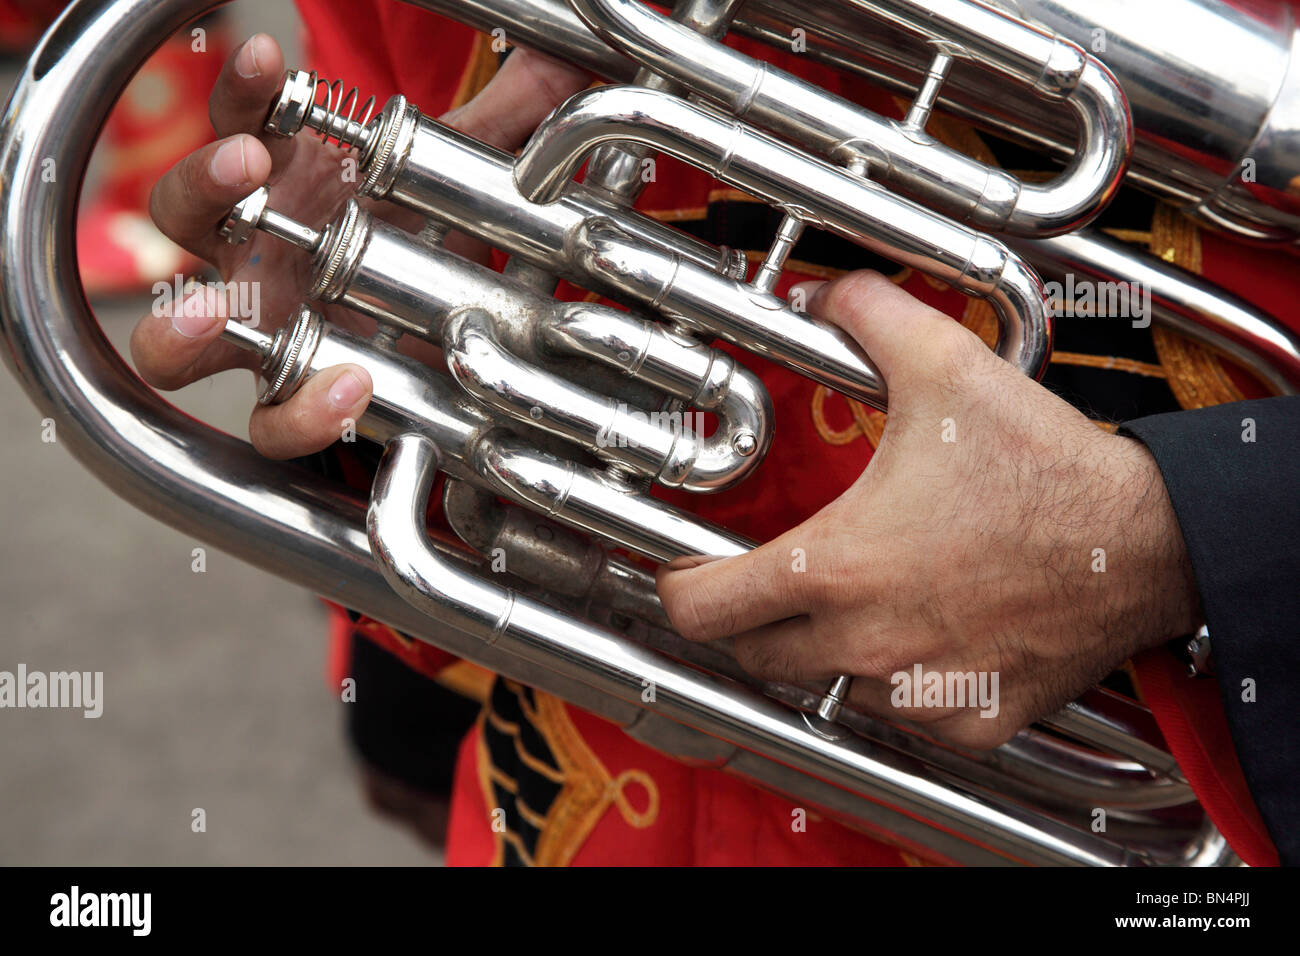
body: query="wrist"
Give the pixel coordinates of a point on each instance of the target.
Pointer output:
(1163, 586)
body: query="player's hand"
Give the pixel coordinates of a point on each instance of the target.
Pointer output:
(996, 531)
(188, 204)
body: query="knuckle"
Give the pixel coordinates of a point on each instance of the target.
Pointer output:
(876, 661)
(976, 733)
(955, 354)
(879, 654)
(809, 565)
(769, 659)
(832, 575)
(855, 292)
(302, 422)
(257, 434)
(695, 613)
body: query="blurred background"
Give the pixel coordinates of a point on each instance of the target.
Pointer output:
(215, 694)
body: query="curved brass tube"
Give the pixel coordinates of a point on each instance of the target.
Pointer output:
(900, 154)
(810, 190)
(311, 531)
(654, 444)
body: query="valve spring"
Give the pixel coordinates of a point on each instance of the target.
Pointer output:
(347, 130)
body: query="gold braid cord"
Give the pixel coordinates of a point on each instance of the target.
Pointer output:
(588, 790)
(1196, 375)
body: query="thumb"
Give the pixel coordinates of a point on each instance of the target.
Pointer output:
(903, 336)
(708, 598)
(315, 417)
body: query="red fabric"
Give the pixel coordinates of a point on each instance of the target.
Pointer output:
(23, 21)
(338, 658)
(369, 43)
(1190, 715)
(707, 817)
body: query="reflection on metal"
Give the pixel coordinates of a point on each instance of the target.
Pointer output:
(552, 420)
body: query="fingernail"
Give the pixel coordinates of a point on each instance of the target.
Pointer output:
(246, 59)
(690, 561)
(227, 165)
(347, 391)
(193, 318)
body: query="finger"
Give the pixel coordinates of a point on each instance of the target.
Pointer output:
(976, 730)
(900, 333)
(892, 699)
(731, 595)
(196, 194)
(789, 651)
(526, 88)
(315, 417)
(246, 87)
(924, 694)
(178, 345)
(798, 650)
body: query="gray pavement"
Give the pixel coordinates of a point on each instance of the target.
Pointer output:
(214, 689)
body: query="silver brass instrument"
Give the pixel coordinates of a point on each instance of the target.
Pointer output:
(568, 412)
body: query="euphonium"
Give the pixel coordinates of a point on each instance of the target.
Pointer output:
(570, 411)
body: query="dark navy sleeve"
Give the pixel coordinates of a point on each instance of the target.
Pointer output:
(1233, 475)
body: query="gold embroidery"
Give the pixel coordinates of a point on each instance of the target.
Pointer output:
(640, 819)
(728, 194)
(502, 779)
(377, 631)
(485, 787)
(689, 213)
(517, 842)
(534, 818)
(980, 318)
(1196, 375)
(536, 765)
(1114, 362)
(1129, 235)
(587, 789)
(867, 422)
(467, 679)
(508, 727)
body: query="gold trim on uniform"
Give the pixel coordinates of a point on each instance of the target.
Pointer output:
(587, 791)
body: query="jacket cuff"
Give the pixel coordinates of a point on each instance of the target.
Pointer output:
(1233, 476)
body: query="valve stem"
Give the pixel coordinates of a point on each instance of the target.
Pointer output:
(252, 212)
(282, 227)
(828, 708)
(247, 337)
(787, 235)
